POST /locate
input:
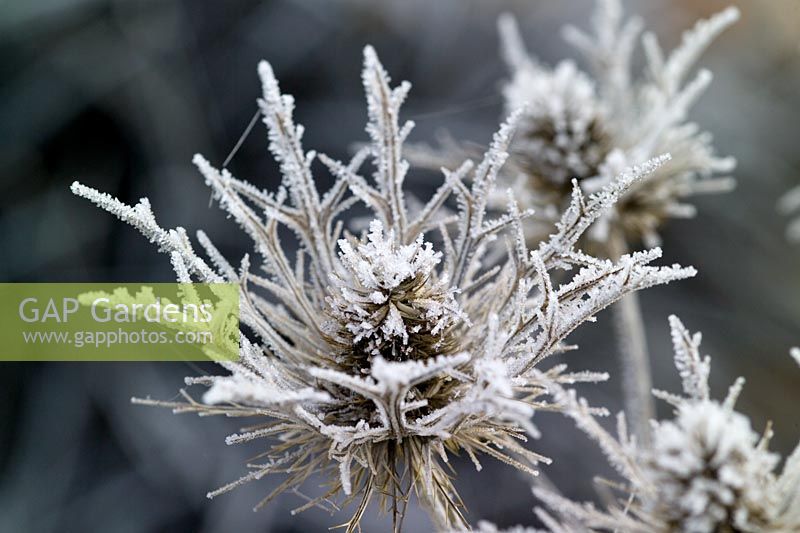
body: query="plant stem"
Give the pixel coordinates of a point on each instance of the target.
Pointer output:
(629, 327)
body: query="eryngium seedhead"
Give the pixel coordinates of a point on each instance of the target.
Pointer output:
(705, 470)
(562, 133)
(370, 358)
(591, 128)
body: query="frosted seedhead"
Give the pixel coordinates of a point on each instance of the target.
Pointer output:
(390, 301)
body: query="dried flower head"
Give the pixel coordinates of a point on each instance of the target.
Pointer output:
(562, 133)
(379, 355)
(391, 303)
(616, 121)
(706, 469)
(589, 128)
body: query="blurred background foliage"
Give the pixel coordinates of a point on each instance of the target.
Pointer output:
(120, 93)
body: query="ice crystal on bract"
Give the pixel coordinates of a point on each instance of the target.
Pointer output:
(706, 469)
(379, 355)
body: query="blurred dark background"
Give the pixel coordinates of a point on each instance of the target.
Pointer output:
(120, 94)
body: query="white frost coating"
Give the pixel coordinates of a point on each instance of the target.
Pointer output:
(693, 369)
(381, 264)
(238, 389)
